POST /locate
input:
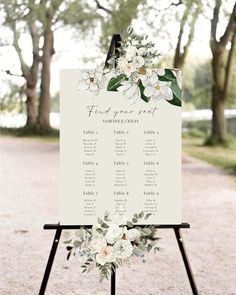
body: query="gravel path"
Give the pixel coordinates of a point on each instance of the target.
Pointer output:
(29, 198)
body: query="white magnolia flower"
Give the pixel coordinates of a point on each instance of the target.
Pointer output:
(105, 255)
(178, 76)
(132, 234)
(114, 233)
(127, 67)
(97, 243)
(138, 62)
(141, 51)
(123, 249)
(91, 81)
(161, 90)
(130, 90)
(130, 52)
(148, 76)
(109, 73)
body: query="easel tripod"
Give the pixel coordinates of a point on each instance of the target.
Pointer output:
(176, 227)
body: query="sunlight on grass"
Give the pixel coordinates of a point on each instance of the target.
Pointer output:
(219, 156)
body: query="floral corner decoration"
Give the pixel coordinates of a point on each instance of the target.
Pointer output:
(132, 74)
(107, 244)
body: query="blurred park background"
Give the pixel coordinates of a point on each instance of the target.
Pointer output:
(38, 38)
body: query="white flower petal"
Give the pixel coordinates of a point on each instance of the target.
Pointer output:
(153, 78)
(82, 85)
(98, 76)
(123, 88)
(93, 87)
(149, 91)
(123, 249)
(85, 75)
(160, 72)
(131, 91)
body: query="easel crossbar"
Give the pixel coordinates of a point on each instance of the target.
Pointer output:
(74, 226)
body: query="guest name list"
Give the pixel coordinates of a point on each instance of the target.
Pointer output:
(118, 157)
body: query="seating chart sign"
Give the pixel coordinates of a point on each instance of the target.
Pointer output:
(119, 153)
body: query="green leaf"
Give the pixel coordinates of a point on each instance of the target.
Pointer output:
(147, 216)
(67, 242)
(176, 94)
(147, 231)
(130, 224)
(99, 230)
(156, 249)
(149, 247)
(134, 220)
(141, 214)
(104, 225)
(116, 82)
(77, 244)
(141, 87)
(169, 76)
(141, 247)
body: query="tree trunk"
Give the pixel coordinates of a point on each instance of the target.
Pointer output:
(31, 109)
(219, 126)
(43, 120)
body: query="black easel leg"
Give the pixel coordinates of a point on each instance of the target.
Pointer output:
(50, 261)
(113, 279)
(186, 262)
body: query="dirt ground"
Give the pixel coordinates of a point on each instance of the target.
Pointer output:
(29, 198)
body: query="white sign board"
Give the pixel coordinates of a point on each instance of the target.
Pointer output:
(117, 156)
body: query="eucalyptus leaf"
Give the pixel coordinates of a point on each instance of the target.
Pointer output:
(147, 231)
(100, 221)
(149, 247)
(141, 214)
(134, 220)
(77, 244)
(147, 216)
(130, 224)
(67, 242)
(104, 225)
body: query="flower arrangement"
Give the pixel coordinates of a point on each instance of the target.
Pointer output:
(132, 73)
(107, 244)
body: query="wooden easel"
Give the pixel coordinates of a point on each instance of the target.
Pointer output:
(59, 228)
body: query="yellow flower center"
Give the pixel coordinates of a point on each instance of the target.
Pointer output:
(105, 251)
(157, 87)
(142, 71)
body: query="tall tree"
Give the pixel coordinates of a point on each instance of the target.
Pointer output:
(120, 15)
(74, 13)
(16, 17)
(49, 12)
(188, 21)
(221, 72)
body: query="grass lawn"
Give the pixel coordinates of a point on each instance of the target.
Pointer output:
(49, 135)
(219, 156)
